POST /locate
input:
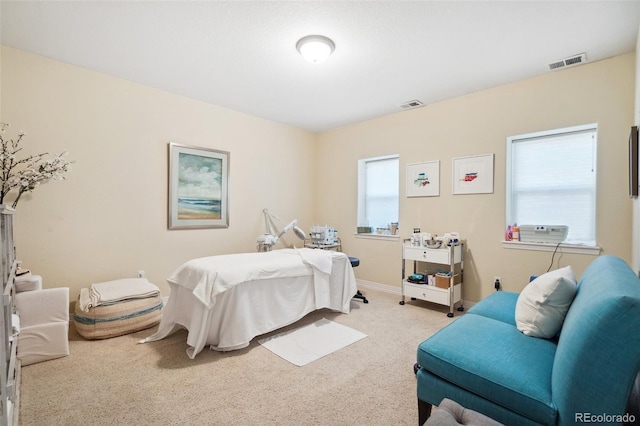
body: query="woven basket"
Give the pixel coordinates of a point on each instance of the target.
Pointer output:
(117, 319)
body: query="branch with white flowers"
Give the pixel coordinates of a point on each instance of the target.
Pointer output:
(24, 175)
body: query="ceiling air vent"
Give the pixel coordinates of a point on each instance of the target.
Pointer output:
(411, 104)
(567, 62)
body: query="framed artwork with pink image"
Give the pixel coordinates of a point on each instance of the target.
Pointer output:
(473, 174)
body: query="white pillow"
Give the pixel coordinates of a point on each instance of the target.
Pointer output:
(544, 302)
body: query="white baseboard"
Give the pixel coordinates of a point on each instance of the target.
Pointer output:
(380, 287)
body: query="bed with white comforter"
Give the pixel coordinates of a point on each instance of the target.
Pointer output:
(225, 301)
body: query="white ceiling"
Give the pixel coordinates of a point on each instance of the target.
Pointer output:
(241, 55)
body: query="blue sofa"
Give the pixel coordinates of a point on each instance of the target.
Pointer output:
(585, 374)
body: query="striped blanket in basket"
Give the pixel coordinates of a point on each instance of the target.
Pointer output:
(118, 318)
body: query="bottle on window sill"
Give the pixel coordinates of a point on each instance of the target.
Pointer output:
(516, 232)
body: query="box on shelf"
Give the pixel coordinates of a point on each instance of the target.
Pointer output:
(443, 281)
(543, 233)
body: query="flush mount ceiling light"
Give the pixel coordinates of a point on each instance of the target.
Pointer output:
(315, 48)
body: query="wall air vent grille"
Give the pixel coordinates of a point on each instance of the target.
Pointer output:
(411, 104)
(567, 62)
(575, 60)
(556, 65)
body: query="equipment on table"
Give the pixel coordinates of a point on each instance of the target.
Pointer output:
(543, 233)
(323, 234)
(266, 241)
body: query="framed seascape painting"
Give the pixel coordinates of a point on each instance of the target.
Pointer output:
(473, 175)
(198, 187)
(423, 179)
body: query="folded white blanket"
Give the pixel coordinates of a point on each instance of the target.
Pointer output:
(116, 291)
(319, 259)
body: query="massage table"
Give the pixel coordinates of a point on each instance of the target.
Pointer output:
(225, 301)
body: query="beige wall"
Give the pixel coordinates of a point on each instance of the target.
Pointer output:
(109, 219)
(600, 92)
(636, 202)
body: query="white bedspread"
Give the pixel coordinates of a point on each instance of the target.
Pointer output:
(225, 301)
(209, 276)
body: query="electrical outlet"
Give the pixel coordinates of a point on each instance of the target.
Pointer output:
(497, 282)
(140, 274)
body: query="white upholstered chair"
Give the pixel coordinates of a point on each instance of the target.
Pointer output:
(44, 324)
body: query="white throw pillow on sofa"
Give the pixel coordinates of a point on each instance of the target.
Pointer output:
(544, 302)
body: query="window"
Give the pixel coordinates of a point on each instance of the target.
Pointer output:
(551, 180)
(378, 189)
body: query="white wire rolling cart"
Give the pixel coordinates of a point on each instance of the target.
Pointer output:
(449, 259)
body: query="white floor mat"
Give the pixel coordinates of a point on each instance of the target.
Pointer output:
(311, 342)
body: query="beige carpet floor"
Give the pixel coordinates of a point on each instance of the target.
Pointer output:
(119, 382)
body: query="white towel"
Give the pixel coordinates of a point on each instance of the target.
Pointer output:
(116, 291)
(15, 324)
(320, 259)
(85, 299)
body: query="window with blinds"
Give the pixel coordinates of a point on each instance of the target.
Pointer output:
(551, 180)
(378, 191)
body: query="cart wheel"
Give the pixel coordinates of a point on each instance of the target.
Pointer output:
(365, 300)
(460, 308)
(450, 315)
(402, 302)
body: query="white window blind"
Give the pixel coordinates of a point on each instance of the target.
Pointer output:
(551, 180)
(378, 191)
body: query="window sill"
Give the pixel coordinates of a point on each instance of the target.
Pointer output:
(563, 247)
(377, 237)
